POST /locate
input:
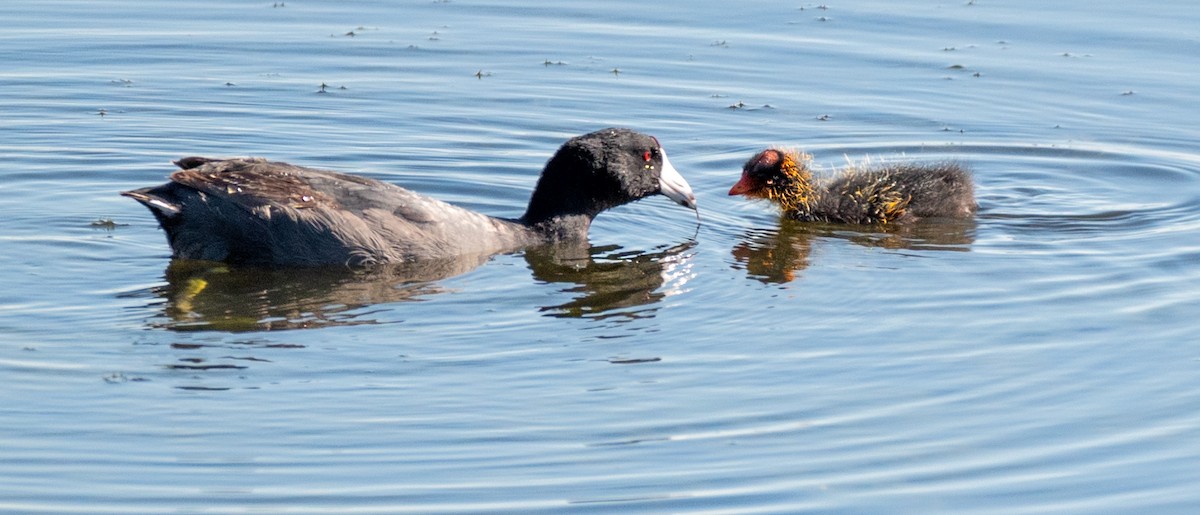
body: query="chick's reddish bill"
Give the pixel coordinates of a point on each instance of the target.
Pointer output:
(744, 185)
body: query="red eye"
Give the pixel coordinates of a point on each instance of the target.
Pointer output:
(646, 156)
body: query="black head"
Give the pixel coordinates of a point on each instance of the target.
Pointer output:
(773, 169)
(762, 171)
(602, 170)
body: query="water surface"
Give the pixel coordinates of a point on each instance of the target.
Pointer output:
(1037, 358)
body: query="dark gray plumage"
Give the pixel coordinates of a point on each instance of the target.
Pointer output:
(258, 212)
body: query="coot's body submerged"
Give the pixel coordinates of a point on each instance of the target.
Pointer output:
(883, 194)
(258, 212)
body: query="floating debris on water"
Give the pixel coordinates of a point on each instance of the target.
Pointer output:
(633, 361)
(118, 378)
(106, 224)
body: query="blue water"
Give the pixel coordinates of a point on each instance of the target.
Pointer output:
(1039, 358)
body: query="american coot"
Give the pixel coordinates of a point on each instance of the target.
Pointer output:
(892, 193)
(258, 212)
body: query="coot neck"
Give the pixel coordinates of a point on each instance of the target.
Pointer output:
(795, 191)
(569, 194)
(559, 218)
(561, 228)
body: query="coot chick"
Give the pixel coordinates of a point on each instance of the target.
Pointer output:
(258, 212)
(884, 194)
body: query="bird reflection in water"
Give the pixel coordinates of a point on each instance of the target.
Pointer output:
(609, 281)
(777, 255)
(604, 281)
(205, 295)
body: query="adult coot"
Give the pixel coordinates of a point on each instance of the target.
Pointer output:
(891, 193)
(258, 212)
